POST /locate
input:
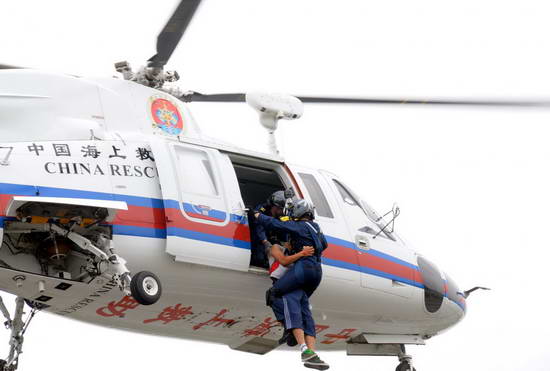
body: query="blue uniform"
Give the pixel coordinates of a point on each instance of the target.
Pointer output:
(259, 234)
(293, 311)
(306, 273)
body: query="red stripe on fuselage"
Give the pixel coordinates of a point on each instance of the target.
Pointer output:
(418, 277)
(149, 217)
(203, 217)
(364, 259)
(341, 253)
(231, 230)
(380, 264)
(141, 216)
(4, 202)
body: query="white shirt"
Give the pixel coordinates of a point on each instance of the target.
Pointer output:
(276, 269)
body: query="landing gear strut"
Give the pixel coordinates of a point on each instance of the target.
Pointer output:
(358, 346)
(144, 287)
(18, 328)
(405, 361)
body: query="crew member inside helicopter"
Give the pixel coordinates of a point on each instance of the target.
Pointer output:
(263, 238)
(289, 296)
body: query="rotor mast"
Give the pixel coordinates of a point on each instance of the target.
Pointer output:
(153, 74)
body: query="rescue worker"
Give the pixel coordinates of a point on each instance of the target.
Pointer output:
(306, 273)
(295, 287)
(263, 239)
(280, 260)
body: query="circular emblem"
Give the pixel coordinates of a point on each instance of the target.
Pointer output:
(166, 116)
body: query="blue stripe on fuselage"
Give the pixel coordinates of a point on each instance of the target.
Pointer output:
(127, 230)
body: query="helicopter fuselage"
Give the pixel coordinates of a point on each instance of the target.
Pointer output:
(70, 148)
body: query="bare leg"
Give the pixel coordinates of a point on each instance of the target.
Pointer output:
(310, 342)
(299, 335)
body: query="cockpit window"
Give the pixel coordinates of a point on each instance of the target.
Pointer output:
(346, 195)
(350, 198)
(434, 286)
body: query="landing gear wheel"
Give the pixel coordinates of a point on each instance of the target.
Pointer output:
(404, 366)
(145, 288)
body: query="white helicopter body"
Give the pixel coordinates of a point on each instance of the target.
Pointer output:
(176, 207)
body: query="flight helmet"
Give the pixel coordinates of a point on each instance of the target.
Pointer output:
(277, 199)
(302, 208)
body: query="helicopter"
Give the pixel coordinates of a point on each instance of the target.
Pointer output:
(70, 168)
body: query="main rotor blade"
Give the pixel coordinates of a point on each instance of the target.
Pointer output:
(441, 102)
(172, 32)
(240, 97)
(9, 67)
(198, 97)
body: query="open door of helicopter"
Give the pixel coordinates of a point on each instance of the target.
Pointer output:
(258, 178)
(205, 218)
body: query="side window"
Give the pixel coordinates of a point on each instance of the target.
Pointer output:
(195, 172)
(317, 196)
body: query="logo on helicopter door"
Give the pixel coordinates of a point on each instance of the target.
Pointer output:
(166, 116)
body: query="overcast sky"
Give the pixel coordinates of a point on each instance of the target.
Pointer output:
(472, 184)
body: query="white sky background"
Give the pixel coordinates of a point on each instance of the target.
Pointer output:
(472, 184)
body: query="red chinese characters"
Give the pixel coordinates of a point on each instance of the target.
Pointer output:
(342, 335)
(118, 308)
(263, 328)
(169, 314)
(320, 328)
(217, 320)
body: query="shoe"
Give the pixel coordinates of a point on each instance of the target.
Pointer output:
(308, 354)
(284, 338)
(291, 340)
(269, 297)
(288, 338)
(316, 363)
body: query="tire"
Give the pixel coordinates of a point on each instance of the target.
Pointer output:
(145, 287)
(404, 366)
